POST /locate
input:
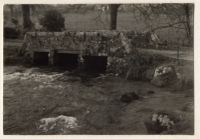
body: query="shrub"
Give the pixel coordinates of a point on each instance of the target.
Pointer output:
(11, 33)
(53, 21)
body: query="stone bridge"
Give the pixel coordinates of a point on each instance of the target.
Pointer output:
(97, 49)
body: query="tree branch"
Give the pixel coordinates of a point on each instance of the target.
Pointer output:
(168, 26)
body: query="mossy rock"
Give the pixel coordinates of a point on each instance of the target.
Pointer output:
(181, 123)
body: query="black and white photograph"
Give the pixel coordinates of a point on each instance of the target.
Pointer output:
(98, 69)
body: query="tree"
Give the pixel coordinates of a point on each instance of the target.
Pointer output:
(53, 21)
(11, 7)
(113, 16)
(189, 20)
(179, 15)
(27, 24)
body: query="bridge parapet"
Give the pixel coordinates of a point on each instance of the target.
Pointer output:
(87, 43)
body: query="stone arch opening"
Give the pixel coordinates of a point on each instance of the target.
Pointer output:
(68, 61)
(95, 64)
(41, 58)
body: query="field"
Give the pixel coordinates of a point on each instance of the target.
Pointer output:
(91, 21)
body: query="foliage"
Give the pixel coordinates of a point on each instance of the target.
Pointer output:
(27, 23)
(180, 15)
(11, 33)
(53, 21)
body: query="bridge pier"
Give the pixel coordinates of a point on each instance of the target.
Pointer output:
(51, 56)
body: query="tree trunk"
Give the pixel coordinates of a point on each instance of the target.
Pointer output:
(11, 11)
(27, 24)
(113, 16)
(189, 26)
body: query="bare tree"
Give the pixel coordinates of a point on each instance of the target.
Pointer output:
(179, 15)
(11, 7)
(189, 20)
(27, 24)
(113, 15)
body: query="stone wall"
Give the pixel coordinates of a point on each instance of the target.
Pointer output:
(116, 45)
(87, 43)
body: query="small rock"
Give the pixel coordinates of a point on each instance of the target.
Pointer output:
(129, 97)
(150, 92)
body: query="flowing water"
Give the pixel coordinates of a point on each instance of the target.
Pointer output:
(31, 94)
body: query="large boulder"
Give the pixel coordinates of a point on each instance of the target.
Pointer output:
(167, 122)
(164, 75)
